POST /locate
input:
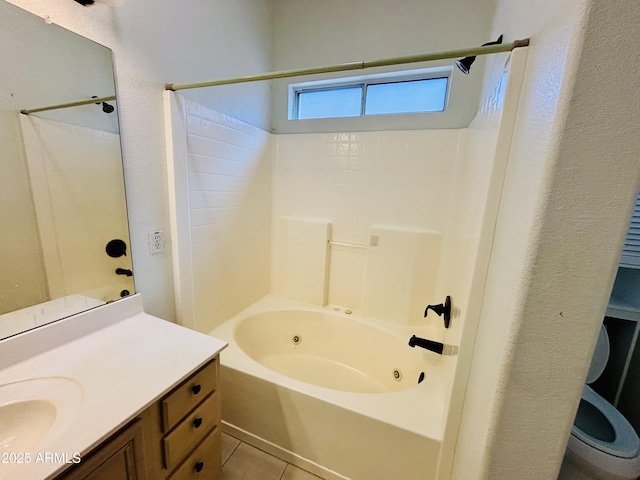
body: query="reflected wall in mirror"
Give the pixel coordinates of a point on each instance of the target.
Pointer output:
(61, 182)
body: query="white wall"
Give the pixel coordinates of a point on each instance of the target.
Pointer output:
(571, 181)
(311, 33)
(156, 42)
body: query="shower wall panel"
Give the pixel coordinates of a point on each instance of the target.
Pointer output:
(229, 182)
(395, 180)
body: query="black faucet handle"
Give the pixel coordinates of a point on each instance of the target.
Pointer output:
(442, 309)
(439, 309)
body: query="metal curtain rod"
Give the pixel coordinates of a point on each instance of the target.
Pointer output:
(426, 57)
(67, 105)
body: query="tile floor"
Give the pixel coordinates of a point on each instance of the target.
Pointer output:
(241, 461)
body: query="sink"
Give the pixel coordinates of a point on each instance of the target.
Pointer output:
(35, 410)
(23, 424)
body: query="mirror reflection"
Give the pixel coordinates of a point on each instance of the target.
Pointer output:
(64, 239)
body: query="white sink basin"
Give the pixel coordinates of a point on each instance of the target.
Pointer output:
(24, 424)
(35, 410)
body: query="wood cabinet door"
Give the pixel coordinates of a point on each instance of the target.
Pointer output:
(119, 458)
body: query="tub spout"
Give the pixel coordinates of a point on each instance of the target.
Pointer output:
(430, 345)
(124, 271)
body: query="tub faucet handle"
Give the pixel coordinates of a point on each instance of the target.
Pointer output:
(442, 309)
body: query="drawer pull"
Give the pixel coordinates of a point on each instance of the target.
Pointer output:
(196, 389)
(197, 422)
(199, 467)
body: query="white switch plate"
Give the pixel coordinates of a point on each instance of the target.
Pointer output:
(156, 242)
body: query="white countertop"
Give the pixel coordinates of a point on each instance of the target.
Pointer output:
(120, 369)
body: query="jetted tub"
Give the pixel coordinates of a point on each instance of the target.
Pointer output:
(336, 394)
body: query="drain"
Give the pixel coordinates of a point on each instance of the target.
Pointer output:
(421, 377)
(296, 339)
(397, 374)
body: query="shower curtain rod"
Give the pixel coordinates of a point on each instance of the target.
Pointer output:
(67, 105)
(465, 52)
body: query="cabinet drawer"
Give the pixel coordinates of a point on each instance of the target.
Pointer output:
(191, 430)
(187, 395)
(205, 462)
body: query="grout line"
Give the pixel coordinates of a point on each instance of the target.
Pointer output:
(240, 442)
(234, 451)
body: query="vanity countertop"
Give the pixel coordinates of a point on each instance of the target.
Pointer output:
(110, 375)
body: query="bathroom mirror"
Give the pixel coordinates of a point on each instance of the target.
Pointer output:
(63, 221)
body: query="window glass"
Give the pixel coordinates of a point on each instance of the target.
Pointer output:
(406, 97)
(335, 102)
(408, 91)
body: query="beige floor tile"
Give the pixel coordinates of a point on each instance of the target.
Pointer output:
(249, 463)
(229, 444)
(294, 473)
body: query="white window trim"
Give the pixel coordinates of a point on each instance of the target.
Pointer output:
(389, 77)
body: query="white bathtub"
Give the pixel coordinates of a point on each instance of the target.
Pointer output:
(333, 393)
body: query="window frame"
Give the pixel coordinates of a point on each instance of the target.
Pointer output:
(363, 81)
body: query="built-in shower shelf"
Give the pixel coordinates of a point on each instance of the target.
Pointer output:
(619, 308)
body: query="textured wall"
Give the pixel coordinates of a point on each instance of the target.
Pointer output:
(571, 181)
(311, 33)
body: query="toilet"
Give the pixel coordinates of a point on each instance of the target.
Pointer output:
(603, 445)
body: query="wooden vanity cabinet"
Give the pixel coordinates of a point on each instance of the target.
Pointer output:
(120, 457)
(182, 431)
(176, 438)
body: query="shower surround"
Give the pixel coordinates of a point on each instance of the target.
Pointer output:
(377, 223)
(256, 201)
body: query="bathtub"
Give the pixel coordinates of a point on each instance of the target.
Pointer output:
(335, 393)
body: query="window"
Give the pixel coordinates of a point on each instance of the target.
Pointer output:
(416, 91)
(335, 102)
